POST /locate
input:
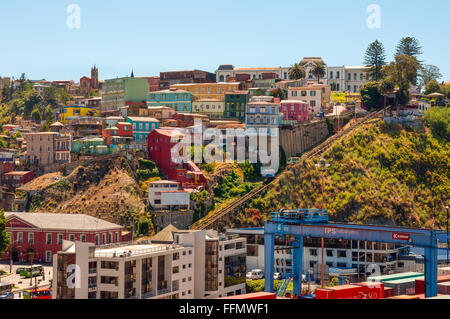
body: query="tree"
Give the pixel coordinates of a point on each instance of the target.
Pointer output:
(319, 71)
(36, 115)
(375, 59)
(297, 72)
(403, 72)
(278, 92)
(385, 87)
(32, 100)
(432, 87)
(370, 94)
(409, 46)
(4, 236)
(428, 73)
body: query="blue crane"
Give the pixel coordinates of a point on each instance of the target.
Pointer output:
(301, 223)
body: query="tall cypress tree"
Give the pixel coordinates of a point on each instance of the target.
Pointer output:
(375, 59)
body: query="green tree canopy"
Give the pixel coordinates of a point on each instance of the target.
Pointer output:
(438, 119)
(429, 73)
(375, 59)
(370, 94)
(278, 92)
(297, 72)
(432, 87)
(409, 46)
(319, 71)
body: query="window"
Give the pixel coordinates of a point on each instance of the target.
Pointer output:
(294, 93)
(97, 239)
(312, 93)
(175, 270)
(30, 238)
(313, 252)
(103, 239)
(49, 239)
(71, 237)
(48, 256)
(83, 238)
(19, 238)
(117, 237)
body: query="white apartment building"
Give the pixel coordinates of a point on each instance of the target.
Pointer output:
(226, 71)
(174, 264)
(166, 195)
(343, 254)
(355, 77)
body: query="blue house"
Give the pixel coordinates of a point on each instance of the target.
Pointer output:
(179, 100)
(262, 115)
(142, 126)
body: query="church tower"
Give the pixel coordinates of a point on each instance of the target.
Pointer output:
(94, 78)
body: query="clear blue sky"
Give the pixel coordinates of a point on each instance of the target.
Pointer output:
(152, 36)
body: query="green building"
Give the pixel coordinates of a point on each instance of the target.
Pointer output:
(91, 146)
(235, 105)
(116, 92)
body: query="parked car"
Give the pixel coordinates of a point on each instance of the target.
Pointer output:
(20, 269)
(255, 274)
(277, 276)
(7, 295)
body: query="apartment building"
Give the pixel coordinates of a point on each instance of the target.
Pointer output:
(174, 264)
(226, 71)
(355, 78)
(166, 79)
(235, 105)
(342, 254)
(117, 92)
(293, 111)
(317, 96)
(43, 233)
(213, 108)
(179, 100)
(141, 127)
(262, 115)
(47, 148)
(201, 91)
(166, 195)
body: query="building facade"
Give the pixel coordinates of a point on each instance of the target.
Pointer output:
(236, 105)
(166, 79)
(166, 195)
(179, 100)
(262, 115)
(42, 234)
(227, 71)
(293, 111)
(141, 127)
(116, 92)
(318, 96)
(201, 91)
(46, 148)
(212, 108)
(14, 179)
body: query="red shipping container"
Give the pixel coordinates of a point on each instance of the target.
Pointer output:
(372, 290)
(340, 292)
(420, 283)
(388, 292)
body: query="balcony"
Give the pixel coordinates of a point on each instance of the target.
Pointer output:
(92, 271)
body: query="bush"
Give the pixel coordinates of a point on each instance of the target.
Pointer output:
(438, 119)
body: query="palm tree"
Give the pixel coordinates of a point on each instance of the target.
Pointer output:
(297, 72)
(319, 71)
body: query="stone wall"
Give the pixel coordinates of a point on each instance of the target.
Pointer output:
(179, 219)
(298, 138)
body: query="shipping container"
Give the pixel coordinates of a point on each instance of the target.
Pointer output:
(420, 283)
(341, 292)
(405, 286)
(444, 288)
(398, 276)
(371, 290)
(388, 292)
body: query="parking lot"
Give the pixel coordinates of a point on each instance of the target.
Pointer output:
(21, 283)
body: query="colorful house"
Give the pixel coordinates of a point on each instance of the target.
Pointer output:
(142, 126)
(122, 133)
(91, 146)
(16, 179)
(188, 119)
(262, 115)
(213, 108)
(117, 92)
(179, 100)
(160, 144)
(235, 105)
(68, 112)
(294, 111)
(208, 90)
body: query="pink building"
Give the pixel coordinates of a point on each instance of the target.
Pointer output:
(292, 110)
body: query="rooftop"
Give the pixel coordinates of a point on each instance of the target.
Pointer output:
(64, 221)
(143, 119)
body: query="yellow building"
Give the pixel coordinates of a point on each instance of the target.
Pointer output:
(202, 91)
(75, 111)
(212, 108)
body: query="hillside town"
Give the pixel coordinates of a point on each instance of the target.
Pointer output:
(179, 185)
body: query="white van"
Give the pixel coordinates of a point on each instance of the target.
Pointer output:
(255, 274)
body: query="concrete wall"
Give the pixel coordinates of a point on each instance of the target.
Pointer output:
(301, 137)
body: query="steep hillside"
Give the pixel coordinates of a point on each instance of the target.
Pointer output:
(379, 174)
(102, 189)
